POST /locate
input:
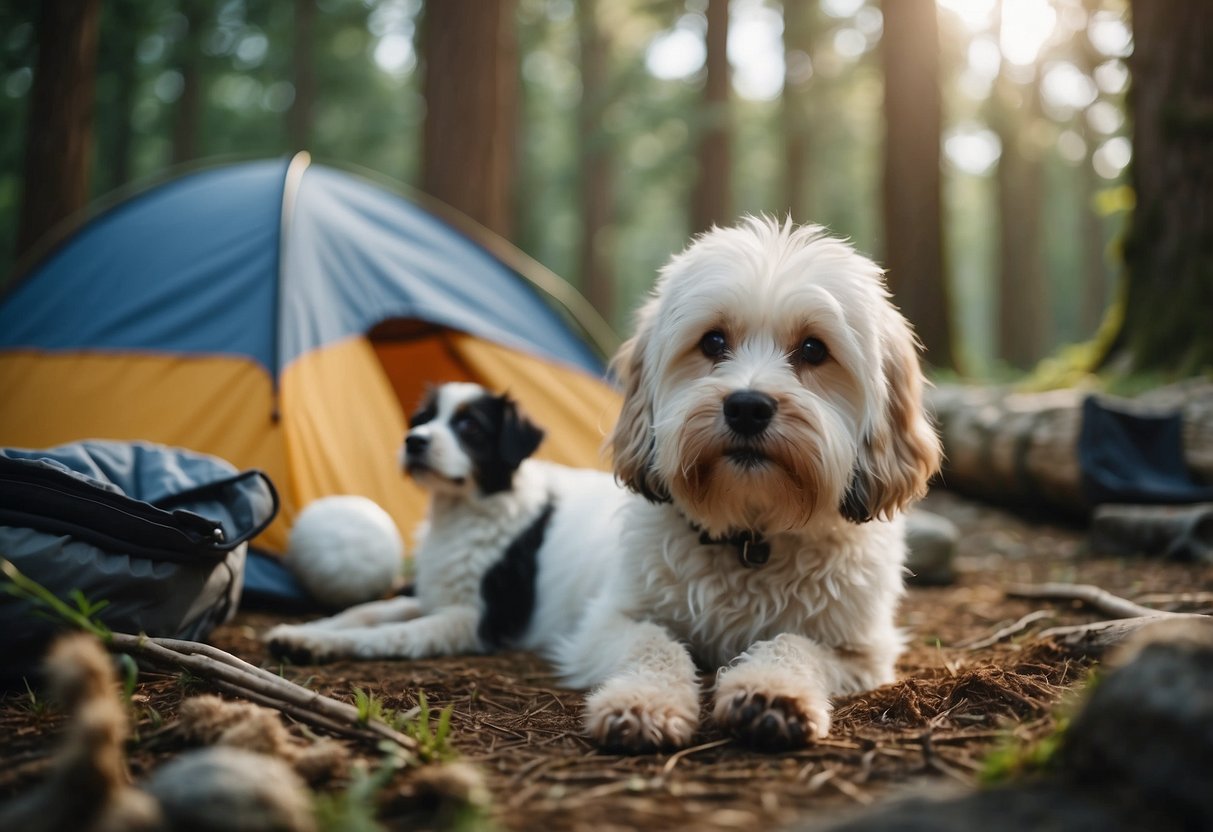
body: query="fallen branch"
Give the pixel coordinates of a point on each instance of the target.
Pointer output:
(1098, 637)
(1093, 639)
(1186, 598)
(237, 676)
(1006, 632)
(1111, 605)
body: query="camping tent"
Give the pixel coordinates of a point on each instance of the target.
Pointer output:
(284, 316)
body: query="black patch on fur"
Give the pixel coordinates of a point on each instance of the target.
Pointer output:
(505, 439)
(508, 588)
(426, 411)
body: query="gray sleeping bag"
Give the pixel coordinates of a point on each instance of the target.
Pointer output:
(159, 533)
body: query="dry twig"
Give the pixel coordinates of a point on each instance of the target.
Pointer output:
(1110, 605)
(238, 676)
(1006, 632)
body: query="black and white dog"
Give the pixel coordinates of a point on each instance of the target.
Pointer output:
(492, 565)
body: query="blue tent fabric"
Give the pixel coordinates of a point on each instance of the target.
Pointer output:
(211, 242)
(246, 261)
(162, 272)
(397, 260)
(1132, 458)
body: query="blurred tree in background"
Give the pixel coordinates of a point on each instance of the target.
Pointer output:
(598, 135)
(59, 151)
(913, 200)
(1169, 301)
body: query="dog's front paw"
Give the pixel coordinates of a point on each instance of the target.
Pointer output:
(773, 719)
(295, 645)
(634, 716)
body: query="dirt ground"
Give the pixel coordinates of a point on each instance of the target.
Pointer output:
(930, 731)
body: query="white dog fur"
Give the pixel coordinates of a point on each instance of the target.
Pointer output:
(483, 502)
(773, 424)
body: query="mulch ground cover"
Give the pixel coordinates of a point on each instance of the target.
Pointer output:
(930, 731)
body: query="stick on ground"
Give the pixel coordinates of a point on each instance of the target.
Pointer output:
(238, 676)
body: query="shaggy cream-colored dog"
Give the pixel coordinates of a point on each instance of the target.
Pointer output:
(773, 421)
(773, 429)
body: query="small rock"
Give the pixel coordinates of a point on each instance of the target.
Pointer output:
(931, 539)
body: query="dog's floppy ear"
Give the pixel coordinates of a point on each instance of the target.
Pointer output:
(632, 440)
(520, 437)
(902, 451)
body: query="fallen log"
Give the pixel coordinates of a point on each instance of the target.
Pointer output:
(1017, 448)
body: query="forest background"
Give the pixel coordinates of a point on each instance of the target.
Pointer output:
(978, 148)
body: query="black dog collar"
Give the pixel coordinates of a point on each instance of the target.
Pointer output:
(753, 550)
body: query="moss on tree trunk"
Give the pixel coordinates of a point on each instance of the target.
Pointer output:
(1169, 249)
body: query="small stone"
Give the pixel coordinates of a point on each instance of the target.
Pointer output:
(931, 540)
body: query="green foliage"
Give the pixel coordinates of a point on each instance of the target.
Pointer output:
(32, 704)
(433, 740)
(432, 735)
(1014, 760)
(81, 613)
(130, 677)
(354, 809)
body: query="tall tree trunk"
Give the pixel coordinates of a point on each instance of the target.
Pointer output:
(1169, 247)
(597, 197)
(1023, 330)
(913, 201)
(123, 25)
(187, 119)
(1094, 271)
(471, 90)
(794, 104)
(711, 204)
(59, 134)
(1094, 294)
(301, 115)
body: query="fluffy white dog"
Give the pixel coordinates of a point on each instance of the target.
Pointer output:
(502, 559)
(773, 426)
(773, 420)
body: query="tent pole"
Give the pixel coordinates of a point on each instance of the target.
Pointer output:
(290, 191)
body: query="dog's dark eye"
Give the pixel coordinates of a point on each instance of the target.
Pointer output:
(713, 344)
(467, 429)
(813, 351)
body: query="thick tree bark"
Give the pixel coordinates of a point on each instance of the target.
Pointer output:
(187, 118)
(59, 134)
(1023, 305)
(301, 114)
(1094, 296)
(795, 108)
(597, 195)
(1169, 246)
(471, 90)
(711, 203)
(913, 200)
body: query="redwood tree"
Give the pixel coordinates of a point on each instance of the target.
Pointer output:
(303, 70)
(913, 202)
(1023, 308)
(711, 203)
(794, 104)
(187, 116)
(59, 134)
(597, 194)
(471, 90)
(1168, 322)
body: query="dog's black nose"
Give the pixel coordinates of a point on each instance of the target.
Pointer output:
(748, 412)
(415, 444)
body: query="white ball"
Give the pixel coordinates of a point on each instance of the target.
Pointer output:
(345, 550)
